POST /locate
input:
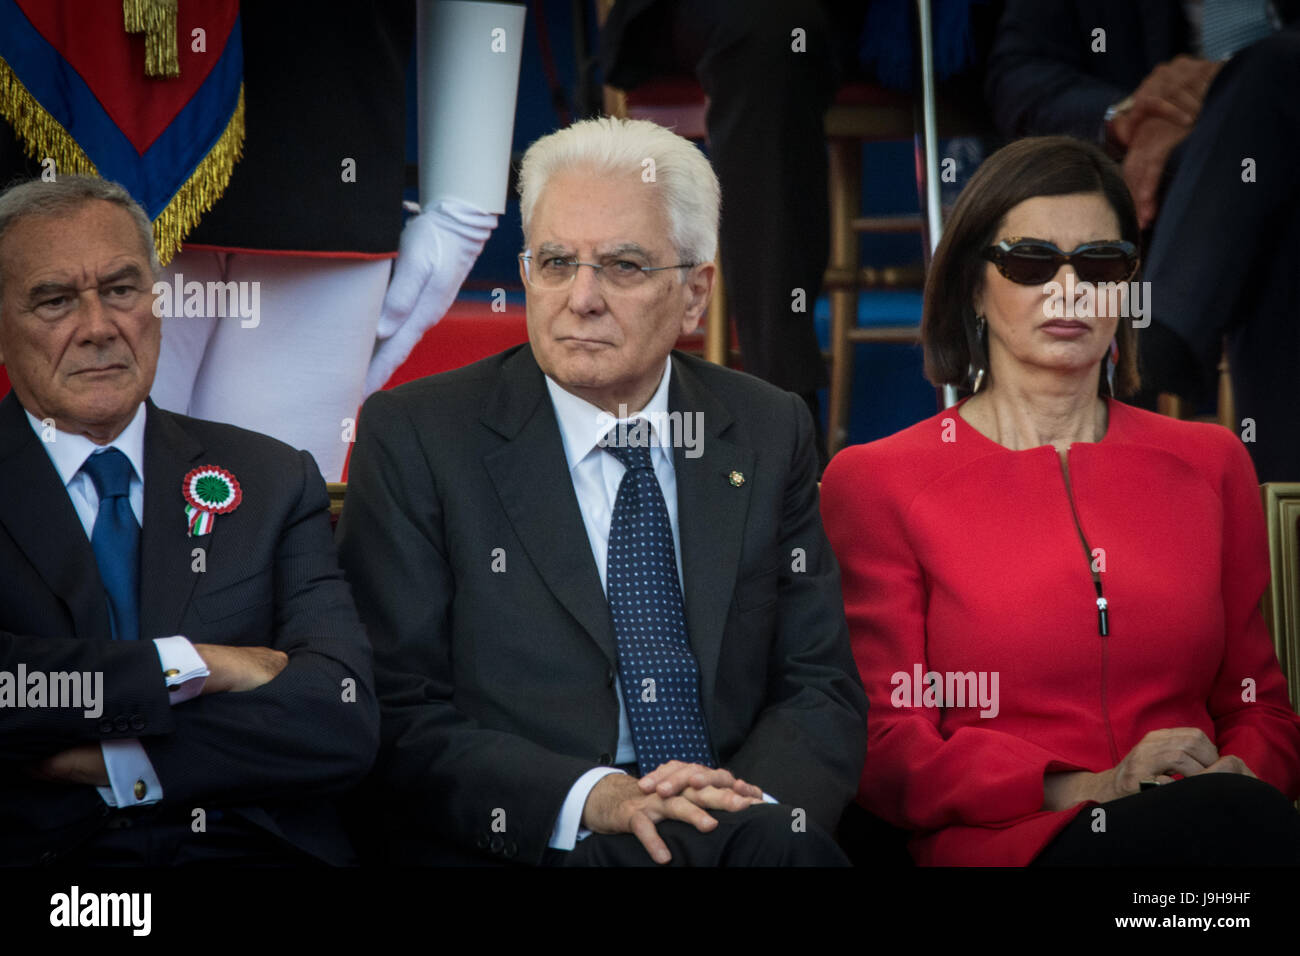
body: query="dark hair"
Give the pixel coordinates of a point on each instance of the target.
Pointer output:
(1034, 166)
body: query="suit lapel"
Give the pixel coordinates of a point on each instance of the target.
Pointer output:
(532, 480)
(37, 512)
(166, 575)
(710, 518)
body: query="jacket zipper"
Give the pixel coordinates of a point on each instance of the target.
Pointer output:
(1103, 611)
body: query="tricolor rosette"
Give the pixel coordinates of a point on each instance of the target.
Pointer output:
(209, 491)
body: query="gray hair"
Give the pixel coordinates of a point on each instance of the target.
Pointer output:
(687, 184)
(39, 198)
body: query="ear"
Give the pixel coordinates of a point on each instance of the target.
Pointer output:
(699, 292)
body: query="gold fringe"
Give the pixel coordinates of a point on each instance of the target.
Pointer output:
(156, 19)
(204, 187)
(42, 135)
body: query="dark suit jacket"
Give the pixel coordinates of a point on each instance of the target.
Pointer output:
(1044, 78)
(497, 686)
(271, 755)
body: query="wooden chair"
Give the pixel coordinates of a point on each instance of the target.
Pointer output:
(1281, 604)
(336, 489)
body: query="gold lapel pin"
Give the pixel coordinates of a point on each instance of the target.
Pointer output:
(736, 479)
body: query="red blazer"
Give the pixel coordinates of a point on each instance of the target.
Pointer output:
(959, 555)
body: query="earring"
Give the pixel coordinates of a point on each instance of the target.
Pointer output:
(1112, 360)
(980, 326)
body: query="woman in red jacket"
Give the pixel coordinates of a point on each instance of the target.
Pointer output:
(1053, 596)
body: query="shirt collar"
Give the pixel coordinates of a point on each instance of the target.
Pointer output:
(69, 452)
(582, 424)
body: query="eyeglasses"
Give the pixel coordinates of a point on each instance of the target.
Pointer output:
(556, 272)
(1036, 261)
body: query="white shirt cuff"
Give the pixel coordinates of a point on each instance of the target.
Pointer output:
(131, 777)
(568, 825)
(768, 798)
(183, 668)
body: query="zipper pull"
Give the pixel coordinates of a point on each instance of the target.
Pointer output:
(1103, 624)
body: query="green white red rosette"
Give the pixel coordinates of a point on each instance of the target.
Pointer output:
(209, 491)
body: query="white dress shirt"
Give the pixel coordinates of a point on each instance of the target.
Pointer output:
(128, 766)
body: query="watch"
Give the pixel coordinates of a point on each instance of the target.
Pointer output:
(1108, 125)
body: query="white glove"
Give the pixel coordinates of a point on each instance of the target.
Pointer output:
(436, 252)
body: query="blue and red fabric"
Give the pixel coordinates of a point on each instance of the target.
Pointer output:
(74, 87)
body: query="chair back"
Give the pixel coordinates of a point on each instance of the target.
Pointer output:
(1281, 604)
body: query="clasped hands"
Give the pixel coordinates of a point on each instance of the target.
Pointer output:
(1182, 750)
(620, 803)
(232, 669)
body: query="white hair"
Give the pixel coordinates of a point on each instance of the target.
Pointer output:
(609, 145)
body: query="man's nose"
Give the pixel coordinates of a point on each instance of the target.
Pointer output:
(97, 323)
(586, 291)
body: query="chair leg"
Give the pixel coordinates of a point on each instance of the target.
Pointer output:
(717, 338)
(845, 169)
(1227, 401)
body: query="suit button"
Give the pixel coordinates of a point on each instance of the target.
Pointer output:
(606, 760)
(48, 857)
(481, 841)
(137, 722)
(609, 677)
(497, 843)
(140, 789)
(106, 726)
(511, 851)
(120, 722)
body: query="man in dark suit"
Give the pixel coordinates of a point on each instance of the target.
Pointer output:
(183, 677)
(553, 599)
(1207, 147)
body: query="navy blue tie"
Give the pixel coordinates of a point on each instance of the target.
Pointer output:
(658, 671)
(116, 541)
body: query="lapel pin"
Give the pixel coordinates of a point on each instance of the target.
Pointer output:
(209, 491)
(736, 479)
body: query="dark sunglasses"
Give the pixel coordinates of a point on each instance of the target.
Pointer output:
(1036, 261)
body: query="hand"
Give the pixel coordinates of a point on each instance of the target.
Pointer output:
(82, 764)
(1173, 92)
(1182, 750)
(1229, 764)
(1144, 163)
(239, 668)
(617, 804)
(703, 786)
(435, 253)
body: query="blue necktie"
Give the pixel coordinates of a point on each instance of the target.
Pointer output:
(658, 671)
(116, 541)
(1231, 25)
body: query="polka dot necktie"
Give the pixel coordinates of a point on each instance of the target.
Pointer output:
(658, 671)
(115, 539)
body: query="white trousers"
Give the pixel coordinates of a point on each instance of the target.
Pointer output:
(297, 374)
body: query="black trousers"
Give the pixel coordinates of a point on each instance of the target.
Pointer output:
(1223, 253)
(761, 835)
(146, 837)
(1215, 819)
(766, 107)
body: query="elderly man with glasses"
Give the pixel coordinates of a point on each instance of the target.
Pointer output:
(607, 625)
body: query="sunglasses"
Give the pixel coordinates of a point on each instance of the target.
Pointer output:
(1036, 261)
